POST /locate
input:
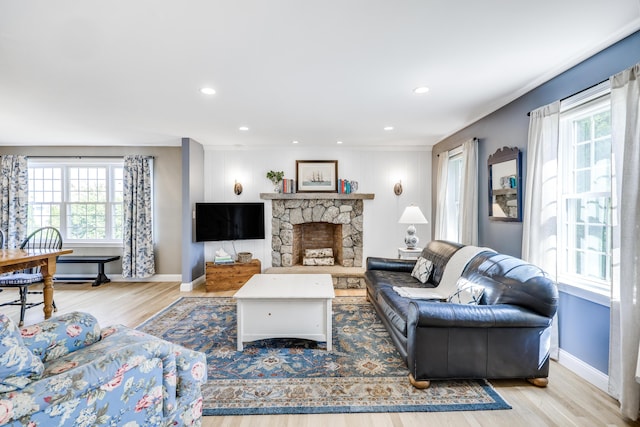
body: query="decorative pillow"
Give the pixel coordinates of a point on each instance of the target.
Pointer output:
(467, 293)
(422, 269)
(18, 365)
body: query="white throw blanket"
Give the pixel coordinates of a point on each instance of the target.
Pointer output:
(449, 281)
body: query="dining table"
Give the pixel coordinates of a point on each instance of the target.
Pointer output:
(20, 259)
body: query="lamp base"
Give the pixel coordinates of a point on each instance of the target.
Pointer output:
(411, 240)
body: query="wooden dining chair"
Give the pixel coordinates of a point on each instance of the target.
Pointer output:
(42, 238)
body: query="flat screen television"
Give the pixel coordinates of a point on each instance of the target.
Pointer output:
(229, 221)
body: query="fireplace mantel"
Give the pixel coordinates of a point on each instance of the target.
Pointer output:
(317, 196)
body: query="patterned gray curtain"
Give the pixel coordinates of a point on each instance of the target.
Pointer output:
(14, 196)
(137, 257)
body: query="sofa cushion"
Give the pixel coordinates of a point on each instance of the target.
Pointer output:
(466, 293)
(422, 269)
(396, 307)
(509, 280)
(439, 252)
(18, 365)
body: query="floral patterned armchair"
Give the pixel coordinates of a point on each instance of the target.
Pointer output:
(67, 371)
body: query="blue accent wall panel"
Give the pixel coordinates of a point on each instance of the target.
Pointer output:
(584, 330)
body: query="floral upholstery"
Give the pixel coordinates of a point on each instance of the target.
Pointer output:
(115, 376)
(18, 365)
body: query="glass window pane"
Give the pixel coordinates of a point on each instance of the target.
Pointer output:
(602, 124)
(583, 181)
(583, 156)
(583, 129)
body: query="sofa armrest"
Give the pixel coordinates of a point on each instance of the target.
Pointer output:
(184, 370)
(390, 264)
(444, 315)
(61, 335)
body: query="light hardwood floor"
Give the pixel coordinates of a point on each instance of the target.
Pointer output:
(567, 401)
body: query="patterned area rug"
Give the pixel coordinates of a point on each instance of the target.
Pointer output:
(362, 373)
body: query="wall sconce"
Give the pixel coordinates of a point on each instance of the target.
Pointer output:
(237, 188)
(397, 188)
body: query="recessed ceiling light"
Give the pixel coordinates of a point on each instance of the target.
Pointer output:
(338, 142)
(208, 91)
(294, 142)
(243, 128)
(388, 128)
(420, 90)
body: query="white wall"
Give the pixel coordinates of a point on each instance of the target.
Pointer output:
(375, 169)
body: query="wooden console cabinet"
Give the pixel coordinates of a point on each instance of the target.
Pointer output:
(228, 277)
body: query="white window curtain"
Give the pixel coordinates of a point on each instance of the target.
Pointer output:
(14, 198)
(539, 225)
(442, 173)
(138, 257)
(467, 226)
(469, 194)
(624, 366)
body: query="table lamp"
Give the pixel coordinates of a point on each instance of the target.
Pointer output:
(412, 215)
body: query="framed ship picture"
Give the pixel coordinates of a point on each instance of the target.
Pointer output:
(317, 176)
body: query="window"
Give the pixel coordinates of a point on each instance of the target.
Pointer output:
(585, 192)
(454, 187)
(80, 197)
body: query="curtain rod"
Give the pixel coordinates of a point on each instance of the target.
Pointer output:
(575, 93)
(446, 151)
(82, 157)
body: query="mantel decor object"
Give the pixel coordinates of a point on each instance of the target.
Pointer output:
(317, 176)
(412, 215)
(275, 177)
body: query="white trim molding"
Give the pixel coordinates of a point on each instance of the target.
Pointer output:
(584, 370)
(190, 286)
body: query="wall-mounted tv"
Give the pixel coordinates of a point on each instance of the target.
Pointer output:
(229, 221)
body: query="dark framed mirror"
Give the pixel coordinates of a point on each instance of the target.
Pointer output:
(505, 185)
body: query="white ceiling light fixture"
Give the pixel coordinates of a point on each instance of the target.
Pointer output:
(243, 128)
(208, 91)
(388, 128)
(338, 142)
(294, 142)
(421, 90)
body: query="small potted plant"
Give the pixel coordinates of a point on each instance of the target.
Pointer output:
(275, 178)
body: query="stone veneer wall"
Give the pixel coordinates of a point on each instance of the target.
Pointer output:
(287, 213)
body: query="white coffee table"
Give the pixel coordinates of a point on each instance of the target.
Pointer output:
(285, 306)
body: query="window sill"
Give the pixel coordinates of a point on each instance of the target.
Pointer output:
(597, 297)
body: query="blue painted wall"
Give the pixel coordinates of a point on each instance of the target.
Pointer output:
(192, 192)
(584, 325)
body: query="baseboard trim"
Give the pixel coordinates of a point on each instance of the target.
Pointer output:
(584, 370)
(190, 286)
(154, 278)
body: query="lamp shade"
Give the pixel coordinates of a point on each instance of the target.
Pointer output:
(412, 215)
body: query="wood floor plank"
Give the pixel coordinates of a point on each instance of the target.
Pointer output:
(567, 401)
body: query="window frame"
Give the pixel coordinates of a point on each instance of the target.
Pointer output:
(586, 104)
(110, 164)
(453, 205)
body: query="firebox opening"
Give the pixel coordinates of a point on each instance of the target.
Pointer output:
(316, 235)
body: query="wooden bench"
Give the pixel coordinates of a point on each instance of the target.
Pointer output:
(101, 260)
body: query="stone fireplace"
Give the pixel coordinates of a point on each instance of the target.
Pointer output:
(316, 221)
(320, 222)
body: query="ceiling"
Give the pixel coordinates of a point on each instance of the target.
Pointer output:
(130, 72)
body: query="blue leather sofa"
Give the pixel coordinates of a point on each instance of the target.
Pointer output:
(506, 335)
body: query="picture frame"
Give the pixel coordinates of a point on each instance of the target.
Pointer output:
(314, 176)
